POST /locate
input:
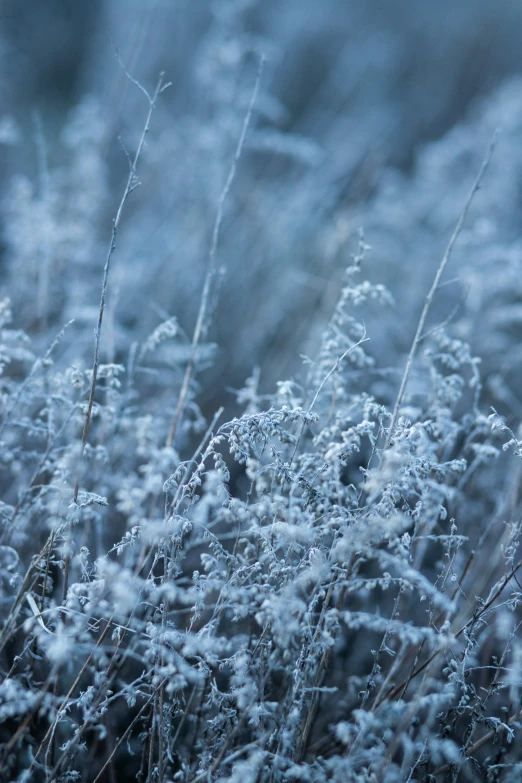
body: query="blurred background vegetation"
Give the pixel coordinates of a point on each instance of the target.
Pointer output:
(352, 93)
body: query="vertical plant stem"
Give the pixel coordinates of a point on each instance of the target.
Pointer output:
(130, 185)
(429, 299)
(200, 327)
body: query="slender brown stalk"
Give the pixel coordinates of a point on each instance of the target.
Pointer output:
(476, 616)
(66, 698)
(122, 739)
(477, 745)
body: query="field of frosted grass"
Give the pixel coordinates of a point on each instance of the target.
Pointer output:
(259, 425)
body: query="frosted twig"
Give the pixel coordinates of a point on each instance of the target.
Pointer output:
(205, 296)
(112, 246)
(429, 299)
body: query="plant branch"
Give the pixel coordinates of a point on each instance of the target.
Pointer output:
(429, 299)
(205, 297)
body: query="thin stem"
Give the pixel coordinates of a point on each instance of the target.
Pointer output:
(130, 185)
(471, 622)
(205, 297)
(122, 739)
(429, 299)
(65, 700)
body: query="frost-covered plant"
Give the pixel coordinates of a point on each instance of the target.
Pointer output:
(322, 588)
